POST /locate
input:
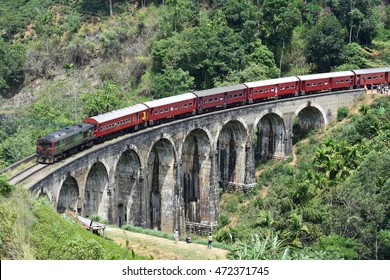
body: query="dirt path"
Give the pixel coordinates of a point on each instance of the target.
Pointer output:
(163, 249)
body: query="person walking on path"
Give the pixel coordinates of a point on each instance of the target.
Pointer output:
(210, 241)
(176, 236)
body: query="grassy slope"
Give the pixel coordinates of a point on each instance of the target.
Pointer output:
(31, 229)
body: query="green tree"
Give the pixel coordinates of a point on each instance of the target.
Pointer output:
(359, 17)
(325, 43)
(181, 14)
(12, 57)
(207, 52)
(171, 82)
(105, 99)
(279, 18)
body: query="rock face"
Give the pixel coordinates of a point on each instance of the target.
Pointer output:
(170, 176)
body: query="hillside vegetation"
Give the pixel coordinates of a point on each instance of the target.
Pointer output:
(333, 203)
(31, 229)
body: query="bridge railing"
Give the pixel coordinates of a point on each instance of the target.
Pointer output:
(17, 164)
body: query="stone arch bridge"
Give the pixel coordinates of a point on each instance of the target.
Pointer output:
(170, 176)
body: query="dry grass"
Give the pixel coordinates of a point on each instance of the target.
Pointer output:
(163, 249)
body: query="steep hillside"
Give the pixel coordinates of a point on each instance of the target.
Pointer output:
(30, 229)
(332, 203)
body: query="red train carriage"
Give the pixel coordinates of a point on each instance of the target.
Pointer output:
(373, 76)
(170, 107)
(259, 90)
(326, 81)
(221, 97)
(131, 117)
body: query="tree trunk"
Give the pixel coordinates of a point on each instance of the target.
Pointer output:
(110, 8)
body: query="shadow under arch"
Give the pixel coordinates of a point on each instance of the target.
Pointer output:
(231, 155)
(196, 169)
(161, 186)
(128, 189)
(97, 192)
(68, 197)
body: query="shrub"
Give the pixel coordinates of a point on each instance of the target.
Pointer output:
(342, 113)
(80, 249)
(5, 187)
(346, 248)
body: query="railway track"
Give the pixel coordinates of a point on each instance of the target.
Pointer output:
(26, 173)
(17, 165)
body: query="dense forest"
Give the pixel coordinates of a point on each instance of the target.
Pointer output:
(64, 60)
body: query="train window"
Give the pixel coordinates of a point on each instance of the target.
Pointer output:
(133, 119)
(308, 84)
(375, 77)
(369, 78)
(172, 108)
(221, 98)
(181, 106)
(190, 104)
(235, 96)
(272, 89)
(161, 111)
(341, 81)
(176, 107)
(240, 94)
(320, 83)
(156, 112)
(230, 96)
(215, 99)
(292, 86)
(267, 90)
(281, 88)
(166, 109)
(261, 91)
(326, 82)
(210, 100)
(205, 101)
(336, 82)
(314, 84)
(185, 105)
(381, 76)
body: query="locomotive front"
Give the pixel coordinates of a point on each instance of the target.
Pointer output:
(45, 150)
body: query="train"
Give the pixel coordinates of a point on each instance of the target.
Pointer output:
(94, 130)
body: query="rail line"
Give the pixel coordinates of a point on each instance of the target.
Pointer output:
(26, 173)
(16, 165)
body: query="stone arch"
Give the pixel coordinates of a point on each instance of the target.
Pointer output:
(309, 116)
(161, 182)
(231, 147)
(270, 137)
(97, 191)
(196, 170)
(69, 196)
(128, 190)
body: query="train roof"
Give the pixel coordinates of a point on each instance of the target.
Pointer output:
(113, 115)
(371, 70)
(213, 91)
(271, 82)
(325, 75)
(69, 130)
(170, 100)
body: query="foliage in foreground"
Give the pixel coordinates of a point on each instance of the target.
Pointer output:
(31, 229)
